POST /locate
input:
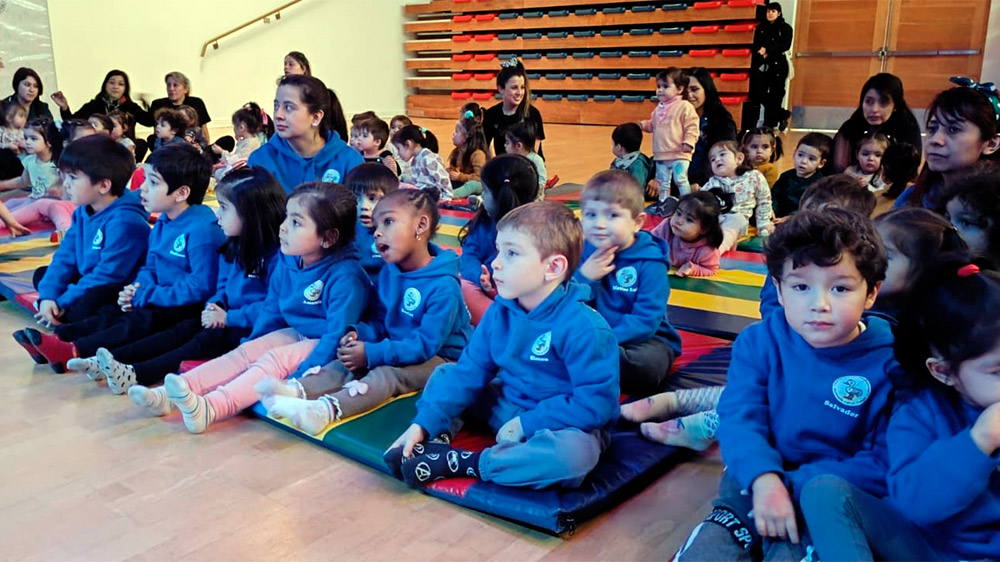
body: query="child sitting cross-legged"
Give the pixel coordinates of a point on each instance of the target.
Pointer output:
(626, 269)
(181, 266)
(317, 290)
(422, 323)
(251, 207)
(541, 370)
(808, 390)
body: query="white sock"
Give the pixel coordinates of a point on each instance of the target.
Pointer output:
(269, 388)
(153, 400)
(198, 413)
(311, 416)
(87, 366)
(120, 376)
(696, 431)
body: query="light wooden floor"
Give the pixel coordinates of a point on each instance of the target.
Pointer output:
(86, 477)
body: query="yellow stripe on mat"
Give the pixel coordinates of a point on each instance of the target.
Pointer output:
(21, 245)
(715, 303)
(739, 277)
(25, 264)
(333, 425)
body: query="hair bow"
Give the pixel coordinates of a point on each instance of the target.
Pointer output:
(988, 89)
(967, 270)
(468, 114)
(509, 63)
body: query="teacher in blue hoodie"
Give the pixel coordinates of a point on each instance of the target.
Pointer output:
(303, 148)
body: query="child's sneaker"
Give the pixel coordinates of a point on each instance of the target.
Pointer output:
(56, 351)
(664, 208)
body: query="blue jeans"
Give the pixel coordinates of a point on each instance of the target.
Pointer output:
(678, 171)
(846, 523)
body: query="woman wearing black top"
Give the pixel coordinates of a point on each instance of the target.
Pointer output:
(114, 96)
(881, 109)
(716, 123)
(178, 87)
(769, 65)
(27, 86)
(512, 83)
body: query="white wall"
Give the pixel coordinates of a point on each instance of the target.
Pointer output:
(991, 52)
(354, 46)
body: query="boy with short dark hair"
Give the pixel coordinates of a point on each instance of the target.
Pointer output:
(105, 245)
(626, 270)
(810, 158)
(170, 125)
(180, 270)
(626, 142)
(369, 137)
(554, 360)
(369, 182)
(808, 390)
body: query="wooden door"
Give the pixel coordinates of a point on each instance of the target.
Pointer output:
(840, 43)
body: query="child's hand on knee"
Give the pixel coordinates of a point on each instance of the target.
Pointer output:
(511, 432)
(353, 355)
(214, 316)
(48, 313)
(773, 511)
(413, 435)
(599, 264)
(125, 296)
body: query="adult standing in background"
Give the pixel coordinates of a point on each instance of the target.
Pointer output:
(716, 123)
(296, 64)
(769, 65)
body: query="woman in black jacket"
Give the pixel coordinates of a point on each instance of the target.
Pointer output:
(881, 109)
(114, 95)
(769, 65)
(716, 123)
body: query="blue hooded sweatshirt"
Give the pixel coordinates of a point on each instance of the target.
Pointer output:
(940, 479)
(557, 366)
(371, 260)
(240, 294)
(800, 412)
(105, 248)
(479, 249)
(633, 297)
(319, 301)
(182, 265)
(330, 164)
(422, 314)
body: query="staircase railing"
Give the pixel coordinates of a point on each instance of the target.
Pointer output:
(265, 18)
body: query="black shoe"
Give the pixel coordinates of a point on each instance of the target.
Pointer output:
(664, 208)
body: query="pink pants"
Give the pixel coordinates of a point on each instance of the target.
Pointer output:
(227, 382)
(27, 211)
(476, 300)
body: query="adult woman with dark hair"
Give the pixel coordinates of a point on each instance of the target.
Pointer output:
(881, 109)
(27, 86)
(769, 64)
(716, 124)
(304, 148)
(114, 96)
(512, 83)
(296, 64)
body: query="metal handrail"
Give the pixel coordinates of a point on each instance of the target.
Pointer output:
(276, 12)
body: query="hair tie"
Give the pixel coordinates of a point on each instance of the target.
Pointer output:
(263, 117)
(987, 89)
(968, 270)
(423, 130)
(468, 114)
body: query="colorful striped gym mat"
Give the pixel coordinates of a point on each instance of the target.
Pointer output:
(627, 467)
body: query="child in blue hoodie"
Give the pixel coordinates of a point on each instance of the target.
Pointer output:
(180, 270)
(808, 390)
(103, 249)
(251, 208)
(369, 182)
(304, 148)
(943, 437)
(509, 181)
(422, 323)
(541, 370)
(626, 270)
(316, 291)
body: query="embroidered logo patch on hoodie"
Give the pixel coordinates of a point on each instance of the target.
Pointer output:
(180, 244)
(313, 292)
(411, 300)
(541, 347)
(626, 278)
(98, 240)
(331, 176)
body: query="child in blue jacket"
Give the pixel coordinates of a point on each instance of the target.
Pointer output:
(943, 437)
(180, 270)
(422, 323)
(808, 390)
(106, 244)
(369, 182)
(541, 370)
(626, 270)
(316, 291)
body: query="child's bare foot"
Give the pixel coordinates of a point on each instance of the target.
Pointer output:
(657, 407)
(695, 432)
